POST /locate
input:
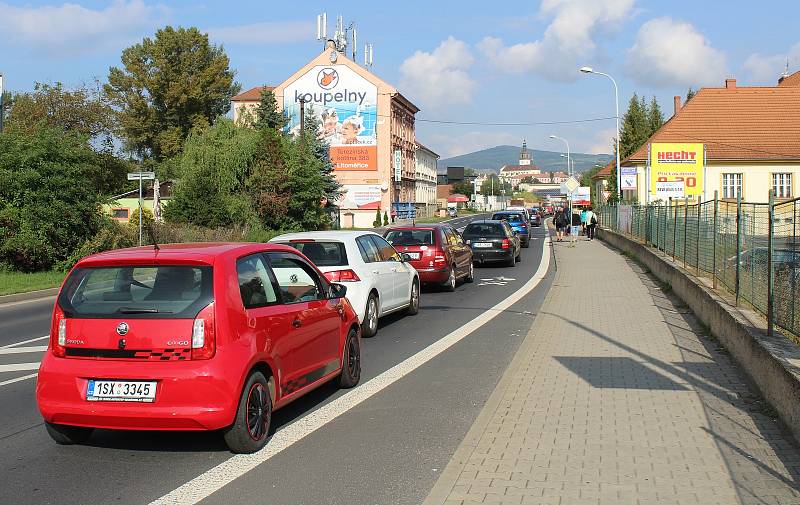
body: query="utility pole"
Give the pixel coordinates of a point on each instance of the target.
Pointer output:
(302, 122)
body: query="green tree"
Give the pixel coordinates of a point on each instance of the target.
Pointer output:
(690, 94)
(634, 128)
(377, 222)
(385, 218)
(655, 118)
(49, 202)
(463, 188)
(213, 170)
(166, 87)
(82, 110)
(527, 180)
(267, 114)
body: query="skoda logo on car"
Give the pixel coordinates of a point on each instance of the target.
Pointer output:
(122, 329)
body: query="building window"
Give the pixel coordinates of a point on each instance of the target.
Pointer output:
(782, 185)
(119, 213)
(731, 185)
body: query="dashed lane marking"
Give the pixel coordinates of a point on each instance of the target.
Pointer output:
(17, 379)
(226, 472)
(20, 350)
(24, 342)
(18, 367)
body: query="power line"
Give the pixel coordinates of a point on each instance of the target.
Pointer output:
(534, 123)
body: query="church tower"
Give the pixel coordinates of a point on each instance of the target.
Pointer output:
(524, 155)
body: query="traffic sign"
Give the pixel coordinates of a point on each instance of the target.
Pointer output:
(135, 176)
(570, 185)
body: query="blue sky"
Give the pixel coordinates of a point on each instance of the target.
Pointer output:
(509, 61)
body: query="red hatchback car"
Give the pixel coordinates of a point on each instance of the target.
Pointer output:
(436, 251)
(193, 337)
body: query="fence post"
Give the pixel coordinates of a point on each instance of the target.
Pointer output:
(714, 243)
(738, 241)
(685, 228)
(771, 276)
(697, 242)
(674, 230)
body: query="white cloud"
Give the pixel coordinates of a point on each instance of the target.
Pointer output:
(766, 69)
(448, 144)
(264, 33)
(602, 142)
(440, 77)
(673, 53)
(567, 43)
(71, 29)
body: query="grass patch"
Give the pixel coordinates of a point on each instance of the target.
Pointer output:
(19, 282)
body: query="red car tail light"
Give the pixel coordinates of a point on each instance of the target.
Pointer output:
(342, 276)
(439, 258)
(58, 332)
(506, 244)
(204, 338)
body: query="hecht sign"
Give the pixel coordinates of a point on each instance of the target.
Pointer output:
(345, 104)
(676, 162)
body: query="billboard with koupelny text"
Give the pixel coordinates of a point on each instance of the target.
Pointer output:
(346, 106)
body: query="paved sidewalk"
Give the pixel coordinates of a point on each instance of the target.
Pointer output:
(615, 398)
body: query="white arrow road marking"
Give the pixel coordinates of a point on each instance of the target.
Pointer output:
(17, 379)
(229, 470)
(19, 350)
(17, 367)
(24, 342)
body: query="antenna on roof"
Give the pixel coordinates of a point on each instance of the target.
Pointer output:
(368, 55)
(322, 27)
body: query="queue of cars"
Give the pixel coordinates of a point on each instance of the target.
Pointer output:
(216, 336)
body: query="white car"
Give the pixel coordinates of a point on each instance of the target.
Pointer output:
(379, 281)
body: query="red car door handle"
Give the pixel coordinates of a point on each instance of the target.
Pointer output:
(296, 323)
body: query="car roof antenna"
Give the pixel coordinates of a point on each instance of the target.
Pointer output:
(152, 235)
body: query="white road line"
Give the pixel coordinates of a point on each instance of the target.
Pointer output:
(24, 377)
(19, 350)
(18, 367)
(23, 342)
(226, 472)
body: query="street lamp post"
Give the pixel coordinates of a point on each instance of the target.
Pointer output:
(590, 70)
(569, 172)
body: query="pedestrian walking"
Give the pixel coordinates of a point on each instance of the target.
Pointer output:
(575, 222)
(583, 221)
(591, 223)
(560, 220)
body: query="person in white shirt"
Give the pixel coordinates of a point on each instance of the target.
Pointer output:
(591, 223)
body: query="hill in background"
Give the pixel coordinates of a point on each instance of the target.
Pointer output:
(490, 160)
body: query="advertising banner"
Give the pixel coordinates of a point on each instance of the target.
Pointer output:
(345, 105)
(360, 196)
(628, 177)
(677, 162)
(582, 196)
(670, 189)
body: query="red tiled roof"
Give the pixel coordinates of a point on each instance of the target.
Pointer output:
(252, 94)
(514, 168)
(790, 80)
(737, 123)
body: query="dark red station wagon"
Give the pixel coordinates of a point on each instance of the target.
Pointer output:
(436, 251)
(193, 337)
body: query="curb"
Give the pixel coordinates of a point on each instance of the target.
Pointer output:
(30, 295)
(449, 477)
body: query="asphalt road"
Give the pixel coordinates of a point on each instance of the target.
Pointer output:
(388, 449)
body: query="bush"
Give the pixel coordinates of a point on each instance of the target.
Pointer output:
(147, 219)
(377, 222)
(385, 218)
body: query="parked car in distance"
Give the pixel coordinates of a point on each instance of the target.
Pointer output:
(493, 240)
(536, 217)
(452, 212)
(379, 280)
(436, 251)
(193, 337)
(518, 222)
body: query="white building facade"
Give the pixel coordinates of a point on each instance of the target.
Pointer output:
(425, 181)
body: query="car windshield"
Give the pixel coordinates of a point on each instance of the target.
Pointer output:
(511, 218)
(322, 254)
(410, 237)
(483, 230)
(148, 291)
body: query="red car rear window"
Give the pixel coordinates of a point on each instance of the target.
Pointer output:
(410, 237)
(142, 291)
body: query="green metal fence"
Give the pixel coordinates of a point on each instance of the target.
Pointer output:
(751, 249)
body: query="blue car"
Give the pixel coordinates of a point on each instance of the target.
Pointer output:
(516, 219)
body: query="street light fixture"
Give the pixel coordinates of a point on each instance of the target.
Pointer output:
(569, 171)
(590, 70)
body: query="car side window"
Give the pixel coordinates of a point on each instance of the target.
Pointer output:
(255, 284)
(386, 250)
(297, 280)
(369, 252)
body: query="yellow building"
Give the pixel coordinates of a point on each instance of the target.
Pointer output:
(368, 125)
(751, 137)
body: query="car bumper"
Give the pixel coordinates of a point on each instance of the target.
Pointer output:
(480, 256)
(190, 395)
(433, 275)
(357, 293)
